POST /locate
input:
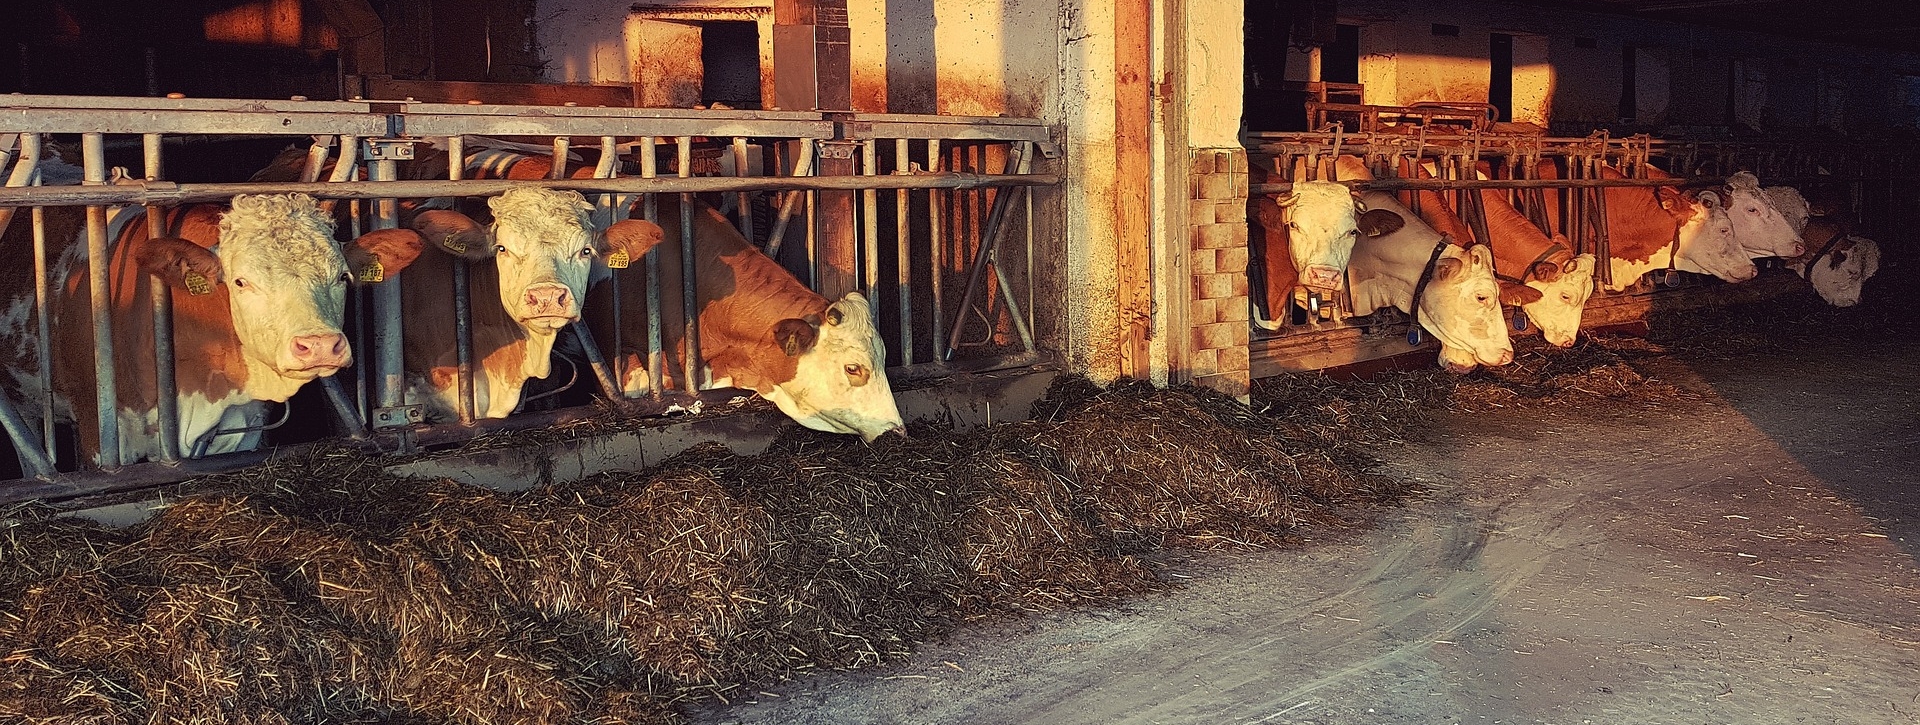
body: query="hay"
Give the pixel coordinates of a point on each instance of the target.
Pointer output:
(316, 589)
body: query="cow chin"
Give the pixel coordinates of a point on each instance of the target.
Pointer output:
(546, 324)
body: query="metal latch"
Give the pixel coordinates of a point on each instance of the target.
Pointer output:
(398, 416)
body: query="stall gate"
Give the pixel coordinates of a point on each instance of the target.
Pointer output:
(925, 215)
(1315, 333)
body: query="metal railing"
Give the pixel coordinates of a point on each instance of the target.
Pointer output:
(1456, 157)
(938, 197)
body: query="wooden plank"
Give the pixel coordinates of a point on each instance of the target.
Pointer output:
(1132, 199)
(529, 94)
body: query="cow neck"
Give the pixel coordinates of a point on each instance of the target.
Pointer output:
(1426, 276)
(742, 324)
(1806, 272)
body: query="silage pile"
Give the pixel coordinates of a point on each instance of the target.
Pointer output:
(318, 590)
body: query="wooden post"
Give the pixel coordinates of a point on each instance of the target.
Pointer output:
(1133, 112)
(812, 71)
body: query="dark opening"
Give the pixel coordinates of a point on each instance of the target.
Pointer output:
(1449, 31)
(730, 53)
(1579, 42)
(1340, 62)
(1629, 102)
(1500, 78)
(1269, 104)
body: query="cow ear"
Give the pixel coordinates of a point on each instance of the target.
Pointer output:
(1512, 293)
(1379, 222)
(181, 263)
(628, 240)
(1708, 197)
(1546, 271)
(376, 255)
(796, 336)
(1482, 255)
(454, 233)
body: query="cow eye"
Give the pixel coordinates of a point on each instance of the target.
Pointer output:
(586, 253)
(854, 368)
(500, 248)
(1480, 298)
(239, 282)
(1353, 232)
(1564, 297)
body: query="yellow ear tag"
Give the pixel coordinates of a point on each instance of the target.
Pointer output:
(619, 259)
(454, 244)
(373, 272)
(197, 283)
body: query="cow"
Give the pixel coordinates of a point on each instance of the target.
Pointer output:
(1758, 225)
(1450, 290)
(1660, 227)
(528, 271)
(821, 362)
(1523, 256)
(1836, 262)
(260, 291)
(1305, 238)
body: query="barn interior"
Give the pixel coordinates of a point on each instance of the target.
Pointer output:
(1048, 204)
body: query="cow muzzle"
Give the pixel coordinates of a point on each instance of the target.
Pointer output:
(320, 354)
(547, 304)
(1322, 276)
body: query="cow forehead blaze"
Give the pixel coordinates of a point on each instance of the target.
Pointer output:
(279, 235)
(541, 217)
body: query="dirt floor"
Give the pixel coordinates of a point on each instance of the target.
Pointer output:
(1750, 557)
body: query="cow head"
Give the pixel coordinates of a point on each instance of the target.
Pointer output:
(1707, 244)
(1461, 308)
(1563, 295)
(285, 279)
(1792, 206)
(1840, 275)
(543, 246)
(840, 379)
(1757, 224)
(1323, 221)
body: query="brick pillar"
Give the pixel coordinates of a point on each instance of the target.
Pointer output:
(1217, 312)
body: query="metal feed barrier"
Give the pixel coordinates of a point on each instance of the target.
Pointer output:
(973, 172)
(1880, 178)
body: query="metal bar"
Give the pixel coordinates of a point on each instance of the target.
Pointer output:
(689, 283)
(32, 458)
(656, 346)
(36, 451)
(868, 246)
(167, 402)
(802, 166)
(43, 341)
(390, 374)
(1444, 184)
(903, 164)
(559, 168)
(745, 198)
(99, 265)
(588, 348)
(343, 407)
(938, 256)
(611, 210)
(23, 172)
(171, 193)
(317, 153)
(462, 301)
(976, 272)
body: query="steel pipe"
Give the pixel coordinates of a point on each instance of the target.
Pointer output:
(903, 164)
(167, 402)
(389, 364)
(171, 193)
(938, 256)
(99, 266)
(802, 166)
(689, 283)
(656, 345)
(43, 321)
(462, 300)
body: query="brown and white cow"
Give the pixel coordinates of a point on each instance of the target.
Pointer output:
(1836, 262)
(1523, 255)
(1759, 227)
(528, 272)
(259, 294)
(1305, 238)
(821, 362)
(1460, 302)
(1651, 228)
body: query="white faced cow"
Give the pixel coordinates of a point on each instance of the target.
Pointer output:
(541, 248)
(1460, 300)
(1759, 226)
(1836, 262)
(823, 363)
(259, 294)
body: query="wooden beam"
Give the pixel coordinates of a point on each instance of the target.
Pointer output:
(363, 36)
(1133, 171)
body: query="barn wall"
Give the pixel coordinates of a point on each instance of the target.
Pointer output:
(1683, 77)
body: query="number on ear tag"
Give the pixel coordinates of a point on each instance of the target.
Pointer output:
(619, 259)
(373, 272)
(197, 283)
(454, 244)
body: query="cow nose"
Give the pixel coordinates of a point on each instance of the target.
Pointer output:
(1506, 356)
(317, 350)
(549, 299)
(1798, 249)
(1563, 343)
(1321, 275)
